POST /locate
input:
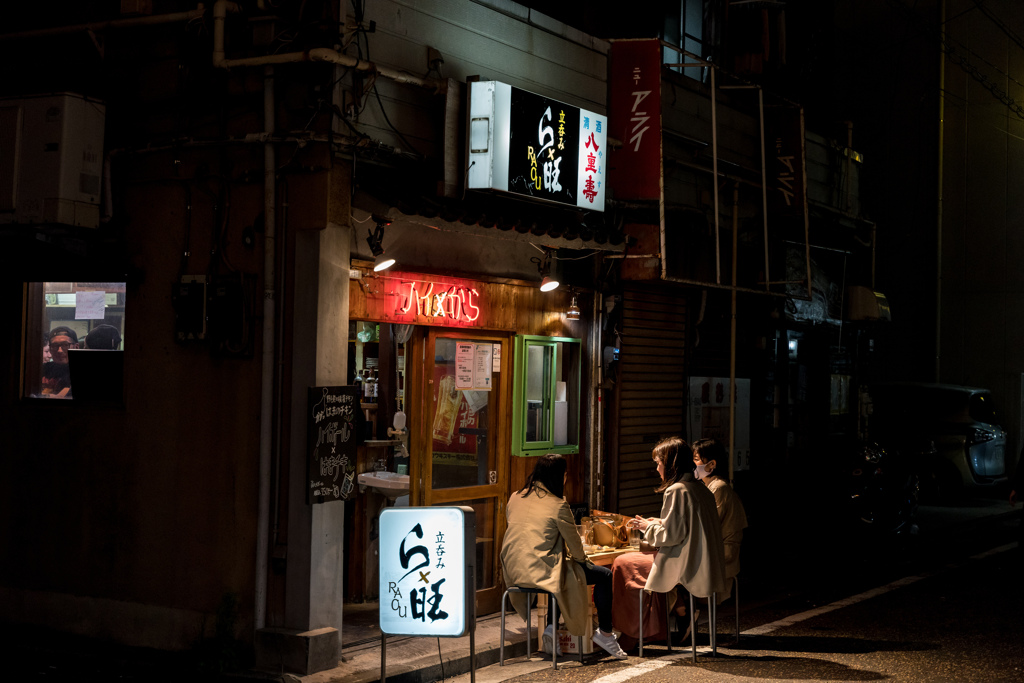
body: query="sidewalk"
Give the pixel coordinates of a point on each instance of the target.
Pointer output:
(423, 660)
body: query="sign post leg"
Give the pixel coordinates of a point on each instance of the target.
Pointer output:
(383, 656)
(472, 626)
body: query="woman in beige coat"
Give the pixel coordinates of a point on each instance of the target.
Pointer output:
(688, 535)
(542, 550)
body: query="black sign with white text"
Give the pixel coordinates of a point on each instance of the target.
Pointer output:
(334, 431)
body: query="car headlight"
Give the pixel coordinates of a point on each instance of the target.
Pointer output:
(977, 435)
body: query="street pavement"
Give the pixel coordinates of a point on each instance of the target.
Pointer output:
(944, 604)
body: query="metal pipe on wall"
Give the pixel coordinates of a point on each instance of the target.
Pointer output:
(99, 26)
(938, 220)
(267, 371)
(319, 54)
(595, 411)
(732, 331)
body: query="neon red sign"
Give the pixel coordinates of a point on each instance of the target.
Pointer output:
(452, 302)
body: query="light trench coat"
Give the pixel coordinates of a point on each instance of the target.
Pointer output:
(689, 541)
(540, 550)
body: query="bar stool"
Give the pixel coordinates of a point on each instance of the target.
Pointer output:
(712, 600)
(529, 636)
(736, 593)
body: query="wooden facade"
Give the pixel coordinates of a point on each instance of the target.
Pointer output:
(485, 310)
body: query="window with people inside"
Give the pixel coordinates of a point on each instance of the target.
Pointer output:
(75, 340)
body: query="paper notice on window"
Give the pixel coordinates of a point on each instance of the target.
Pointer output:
(475, 400)
(496, 358)
(90, 305)
(465, 361)
(483, 369)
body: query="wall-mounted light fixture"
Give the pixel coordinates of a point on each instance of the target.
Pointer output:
(574, 311)
(374, 238)
(548, 280)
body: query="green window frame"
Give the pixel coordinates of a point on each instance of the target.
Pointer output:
(541, 365)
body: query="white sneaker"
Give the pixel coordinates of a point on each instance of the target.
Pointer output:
(608, 642)
(548, 638)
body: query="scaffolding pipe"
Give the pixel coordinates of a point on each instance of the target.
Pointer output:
(764, 189)
(732, 331)
(714, 171)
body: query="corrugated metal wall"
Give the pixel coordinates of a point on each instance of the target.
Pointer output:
(651, 396)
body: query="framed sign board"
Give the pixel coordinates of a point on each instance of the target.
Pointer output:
(333, 433)
(535, 146)
(427, 571)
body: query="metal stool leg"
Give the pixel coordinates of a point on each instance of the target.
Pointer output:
(641, 613)
(668, 624)
(712, 622)
(693, 629)
(736, 584)
(501, 644)
(554, 632)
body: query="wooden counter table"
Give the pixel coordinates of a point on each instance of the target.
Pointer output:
(605, 558)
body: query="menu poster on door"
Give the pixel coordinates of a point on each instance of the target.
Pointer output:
(482, 369)
(333, 433)
(465, 359)
(473, 366)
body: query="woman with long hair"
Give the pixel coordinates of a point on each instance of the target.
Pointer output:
(688, 539)
(543, 550)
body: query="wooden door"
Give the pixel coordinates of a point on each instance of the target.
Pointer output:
(460, 441)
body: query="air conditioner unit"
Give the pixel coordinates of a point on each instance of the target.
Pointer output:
(51, 159)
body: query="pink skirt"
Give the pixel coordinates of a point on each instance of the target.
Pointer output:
(629, 576)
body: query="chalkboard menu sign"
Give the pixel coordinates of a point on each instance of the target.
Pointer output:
(333, 433)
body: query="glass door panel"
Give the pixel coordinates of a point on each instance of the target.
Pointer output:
(464, 419)
(464, 437)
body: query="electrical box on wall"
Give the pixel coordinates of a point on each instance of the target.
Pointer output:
(51, 159)
(189, 300)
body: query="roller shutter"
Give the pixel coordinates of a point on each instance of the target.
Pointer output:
(650, 393)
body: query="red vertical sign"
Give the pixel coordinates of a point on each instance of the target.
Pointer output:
(634, 118)
(787, 178)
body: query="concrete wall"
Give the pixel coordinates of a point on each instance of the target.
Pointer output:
(982, 284)
(138, 524)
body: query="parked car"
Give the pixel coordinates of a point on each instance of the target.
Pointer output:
(962, 422)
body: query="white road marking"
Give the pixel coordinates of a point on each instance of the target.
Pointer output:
(995, 551)
(655, 664)
(845, 602)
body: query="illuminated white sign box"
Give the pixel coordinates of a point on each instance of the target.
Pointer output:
(534, 146)
(427, 565)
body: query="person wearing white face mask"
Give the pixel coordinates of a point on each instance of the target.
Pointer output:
(688, 539)
(707, 453)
